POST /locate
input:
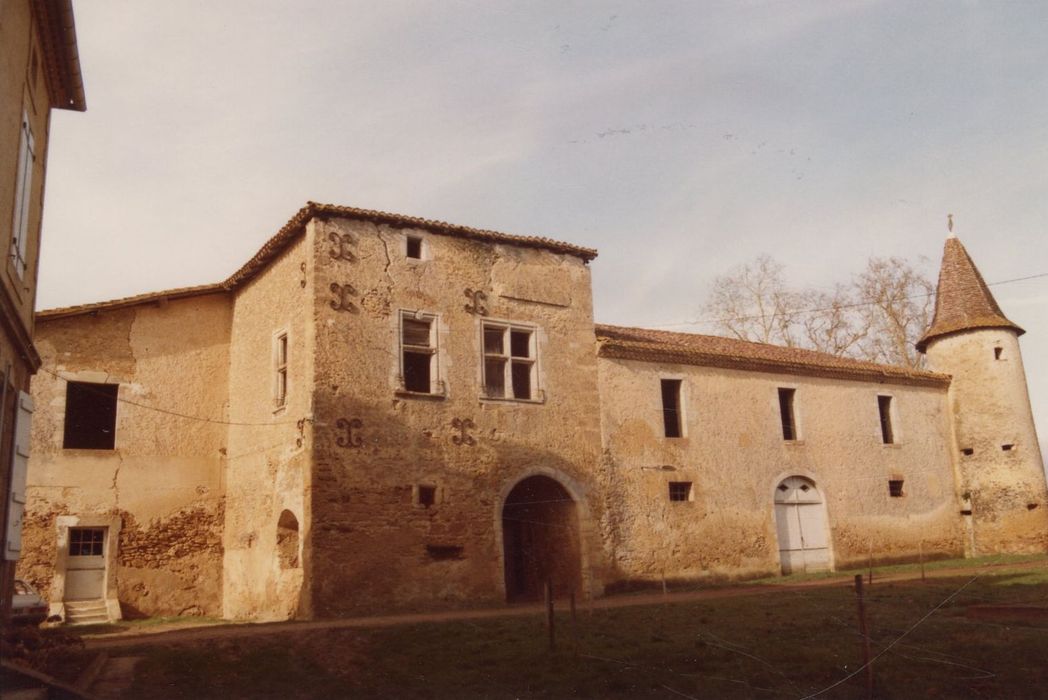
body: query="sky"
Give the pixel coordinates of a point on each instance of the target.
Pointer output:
(681, 139)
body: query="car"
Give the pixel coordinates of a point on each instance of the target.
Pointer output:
(27, 607)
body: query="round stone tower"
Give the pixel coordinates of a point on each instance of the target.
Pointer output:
(1001, 478)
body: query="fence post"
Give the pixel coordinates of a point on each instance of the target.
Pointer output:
(549, 614)
(869, 562)
(865, 633)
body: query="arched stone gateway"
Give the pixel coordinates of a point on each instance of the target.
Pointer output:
(800, 520)
(540, 539)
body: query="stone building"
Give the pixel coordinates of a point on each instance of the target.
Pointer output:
(39, 71)
(379, 412)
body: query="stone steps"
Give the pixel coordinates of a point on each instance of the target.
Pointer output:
(86, 612)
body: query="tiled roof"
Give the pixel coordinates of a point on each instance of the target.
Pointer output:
(295, 226)
(962, 300)
(168, 294)
(706, 350)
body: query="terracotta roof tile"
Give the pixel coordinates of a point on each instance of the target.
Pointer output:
(295, 225)
(962, 299)
(695, 349)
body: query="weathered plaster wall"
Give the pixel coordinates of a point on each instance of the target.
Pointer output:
(734, 454)
(268, 460)
(164, 477)
(991, 408)
(373, 546)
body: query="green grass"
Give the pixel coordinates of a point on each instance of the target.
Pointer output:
(783, 643)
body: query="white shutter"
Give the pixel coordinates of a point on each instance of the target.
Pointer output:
(23, 194)
(19, 463)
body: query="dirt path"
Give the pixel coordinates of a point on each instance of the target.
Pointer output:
(180, 634)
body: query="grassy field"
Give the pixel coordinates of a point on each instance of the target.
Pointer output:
(780, 644)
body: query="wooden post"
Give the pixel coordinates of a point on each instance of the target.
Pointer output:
(549, 614)
(574, 625)
(921, 550)
(869, 562)
(865, 633)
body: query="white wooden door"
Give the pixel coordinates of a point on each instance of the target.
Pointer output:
(86, 566)
(800, 521)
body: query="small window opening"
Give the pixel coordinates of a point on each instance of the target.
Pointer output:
(998, 353)
(680, 490)
(442, 552)
(884, 406)
(418, 353)
(968, 451)
(1008, 447)
(414, 247)
(87, 541)
(427, 495)
(1031, 506)
(789, 424)
(287, 540)
(671, 407)
(90, 416)
(280, 370)
(895, 488)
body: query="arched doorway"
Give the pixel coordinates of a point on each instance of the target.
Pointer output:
(800, 519)
(540, 539)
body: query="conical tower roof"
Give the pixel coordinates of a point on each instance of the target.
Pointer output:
(962, 300)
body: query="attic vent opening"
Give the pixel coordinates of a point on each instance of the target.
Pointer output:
(895, 488)
(414, 247)
(998, 353)
(968, 451)
(443, 552)
(1008, 447)
(680, 490)
(427, 495)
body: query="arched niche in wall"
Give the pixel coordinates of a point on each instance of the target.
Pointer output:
(287, 540)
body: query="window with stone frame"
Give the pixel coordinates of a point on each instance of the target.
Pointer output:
(280, 356)
(418, 353)
(510, 367)
(23, 195)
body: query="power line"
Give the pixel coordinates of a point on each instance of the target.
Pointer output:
(169, 412)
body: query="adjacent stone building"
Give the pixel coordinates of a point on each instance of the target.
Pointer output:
(39, 72)
(379, 412)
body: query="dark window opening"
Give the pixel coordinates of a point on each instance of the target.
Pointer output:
(1031, 506)
(509, 362)
(414, 249)
(444, 551)
(521, 380)
(90, 416)
(671, 407)
(895, 488)
(1008, 447)
(789, 425)
(418, 354)
(968, 451)
(427, 496)
(86, 541)
(884, 405)
(997, 352)
(680, 490)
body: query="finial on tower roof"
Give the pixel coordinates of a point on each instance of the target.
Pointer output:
(949, 225)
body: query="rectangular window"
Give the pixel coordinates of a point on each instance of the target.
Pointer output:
(509, 362)
(87, 541)
(23, 193)
(884, 406)
(671, 407)
(789, 424)
(895, 488)
(414, 247)
(680, 490)
(90, 416)
(418, 349)
(280, 370)
(427, 495)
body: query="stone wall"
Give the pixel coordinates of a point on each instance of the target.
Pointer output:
(734, 454)
(163, 481)
(269, 455)
(375, 444)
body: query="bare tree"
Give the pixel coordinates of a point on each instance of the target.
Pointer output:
(752, 302)
(878, 316)
(897, 301)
